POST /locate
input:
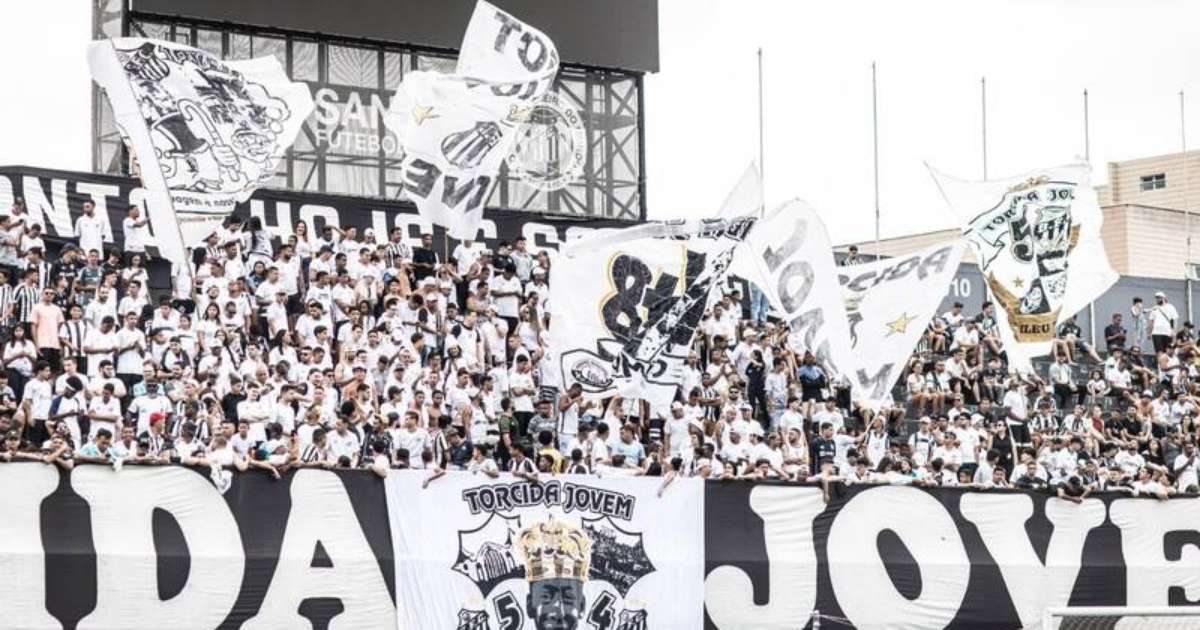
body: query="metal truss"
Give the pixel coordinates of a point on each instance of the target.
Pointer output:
(611, 184)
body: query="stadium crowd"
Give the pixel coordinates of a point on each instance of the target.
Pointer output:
(348, 350)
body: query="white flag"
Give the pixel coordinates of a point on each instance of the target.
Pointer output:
(456, 129)
(206, 133)
(1037, 240)
(791, 259)
(627, 304)
(889, 303)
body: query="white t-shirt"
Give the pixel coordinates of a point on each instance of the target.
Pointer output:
(110, 408)
(343, 445)
(39, 393)
(143, 406)
(1015, 400)
(1161, 318)
(521, 402)
(130, 361)
(968, 439)
(90, 231)
(466, 256)
(507, 306)
(568, 422)
(1186, 476)
(134, 243)
(677, 428)
(415, 442)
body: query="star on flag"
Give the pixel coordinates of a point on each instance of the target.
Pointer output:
(421, 113)
(900, 324)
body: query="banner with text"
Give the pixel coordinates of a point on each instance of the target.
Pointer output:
(55, 200)
(889, 303)
(103, 549)
(791, 259)
(889, 557)
(155, 546)
(569, 552)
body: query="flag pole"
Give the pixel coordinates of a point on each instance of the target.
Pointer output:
(875, 140)
(1187, 211)
(983, 108)
(1087, 140)
(1087, 156)
(761, 168)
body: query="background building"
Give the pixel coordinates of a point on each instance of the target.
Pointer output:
(1146, 221)
(1145, 236)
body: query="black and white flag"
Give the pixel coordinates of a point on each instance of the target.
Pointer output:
(206, 133)
(1036, 237)
(889, 303)
(628, 302)
(456, 129)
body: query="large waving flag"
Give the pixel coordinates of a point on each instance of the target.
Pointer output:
(1037, 240)
(627, 304)
(456, 129)
(206, 133)
(889, 303)
(789, 256)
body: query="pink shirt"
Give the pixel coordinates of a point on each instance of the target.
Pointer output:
(46, 320)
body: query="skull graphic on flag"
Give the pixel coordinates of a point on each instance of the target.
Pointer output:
(1024, 242)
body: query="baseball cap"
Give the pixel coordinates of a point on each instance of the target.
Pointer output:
(1159, 294)
(676, 405)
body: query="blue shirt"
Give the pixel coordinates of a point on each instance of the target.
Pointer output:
(634, 452)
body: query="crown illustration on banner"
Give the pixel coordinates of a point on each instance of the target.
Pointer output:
(554, 550)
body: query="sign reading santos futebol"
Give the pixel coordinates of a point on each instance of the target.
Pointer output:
(568, 553)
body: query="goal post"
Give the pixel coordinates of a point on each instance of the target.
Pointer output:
(1122, 618)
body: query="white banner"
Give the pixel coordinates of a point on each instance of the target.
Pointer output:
(1037, 241)
(792, 261)
(627, 304)
(456, 129)
(889, 303)
(205, 132)
(569, 552)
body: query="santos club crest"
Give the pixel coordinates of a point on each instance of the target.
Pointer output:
(1024, 242)
(551, 571)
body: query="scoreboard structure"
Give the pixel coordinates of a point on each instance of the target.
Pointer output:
(581, 154)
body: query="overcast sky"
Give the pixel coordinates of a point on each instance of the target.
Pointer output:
(1038, 56)
(701, 109)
